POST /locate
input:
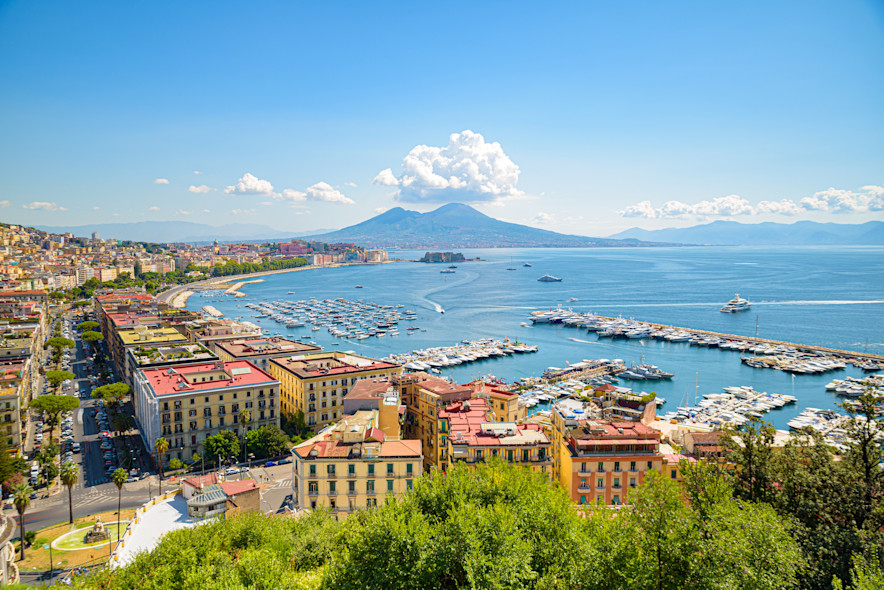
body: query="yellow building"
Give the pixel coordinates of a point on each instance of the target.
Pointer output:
(355, 464)
(259, 351)
(188, 403)
(316, 384)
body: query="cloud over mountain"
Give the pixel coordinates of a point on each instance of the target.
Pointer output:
(869, 198)
(468, 169)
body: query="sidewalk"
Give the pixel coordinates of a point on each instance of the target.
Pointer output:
(164, 517)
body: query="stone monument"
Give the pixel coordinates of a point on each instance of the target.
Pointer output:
(97, 533)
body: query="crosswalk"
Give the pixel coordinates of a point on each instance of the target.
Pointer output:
(94, 497)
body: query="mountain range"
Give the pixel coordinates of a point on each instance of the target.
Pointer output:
(732, 233)
(174, 231)
(456, 225)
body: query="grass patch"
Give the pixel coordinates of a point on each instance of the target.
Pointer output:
(37, 558)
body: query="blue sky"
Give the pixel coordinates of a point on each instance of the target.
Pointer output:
(579, 117)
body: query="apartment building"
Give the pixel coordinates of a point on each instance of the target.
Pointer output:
(503, 404)
(356, 464)
(316, 384)
(601, 460)
(471, 438)
(141, 337)
(189, 403)
(259, 351)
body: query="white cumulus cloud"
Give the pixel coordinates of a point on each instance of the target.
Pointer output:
(5, 204)
(161, 181)
(183, 212)
(868, 198)
(243, 211)
(250, 184)
(96, 208)
(44, 206)
(197, 172)
(468, 169)
(201, 189)
(542, 218)
(350, 184)
(292, 195)
(322, 191)
(154, 208)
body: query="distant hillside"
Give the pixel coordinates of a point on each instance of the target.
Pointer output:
(456, 226)
(801, 233)
(174, 231)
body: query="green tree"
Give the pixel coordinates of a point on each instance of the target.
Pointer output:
(865, 456)
(87, 326)
(245, 416)
(268, 441)
(56, 378)
(750, 446)
(92, 336)
(161, 445)
(69, 475)
(58, 344)
(21, 499)
(175, 464)
(221, 446)
(119, 477)
(51, 406)
(122, 423)
(112, 393)
(499, 526)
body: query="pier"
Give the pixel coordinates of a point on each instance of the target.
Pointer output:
(809, 348)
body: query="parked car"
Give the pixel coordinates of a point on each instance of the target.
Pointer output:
(76, 447)
(244, 468)
(270, 464)
(231, 471)
(285, 461)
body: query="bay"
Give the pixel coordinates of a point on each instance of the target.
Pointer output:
(829, 296)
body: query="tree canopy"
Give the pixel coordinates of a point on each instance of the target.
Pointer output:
(112, 393)
(53, 405)
(267, 441)
(223, 445)
(56, 378)
(91, 336)
(87, 326)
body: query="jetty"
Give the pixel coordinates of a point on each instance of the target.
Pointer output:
(212, 311)
(467, 351)
(606, 326)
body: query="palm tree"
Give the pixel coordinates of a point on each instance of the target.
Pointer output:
(120, 477)
(21, 495)
(69, 474)
(245, 417)
(161, 445)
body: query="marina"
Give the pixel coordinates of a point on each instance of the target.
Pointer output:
(785, 356)
(433, 359)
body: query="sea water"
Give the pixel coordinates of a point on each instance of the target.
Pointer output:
(828, 296)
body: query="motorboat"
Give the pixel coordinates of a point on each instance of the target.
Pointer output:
(736, 304)
(549, 279)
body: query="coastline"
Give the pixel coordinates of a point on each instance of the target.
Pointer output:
(178, 295)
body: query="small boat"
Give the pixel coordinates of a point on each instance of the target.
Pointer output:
(549, 279)
(447, 271)
(526, 265)
(357, 286)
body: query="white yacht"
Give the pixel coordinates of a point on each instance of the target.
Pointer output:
(549, 279)
(736, 304)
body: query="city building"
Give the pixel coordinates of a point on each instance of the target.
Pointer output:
(356, 464)
(259, 351)
(316, 384)
(188, 403)
(224, 499)
(602, 460)
(471, 438)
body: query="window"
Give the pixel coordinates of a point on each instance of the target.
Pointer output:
(330, 469)
(389, 469)
(351, 469)
(600, 483)
(616, 482)
(583, 499)
(615, 500)
(369, 486)
(650, 464)
(313, 470)
(526, 455)
(313, 487)
(509, 457)
(409, 468)
(408, 485)
(351, 487)
(616, 465)
(632, 466)
(390, 485)
(332, 487)
(632, 482)
(371, 469)
(601, 468)
(673, 474)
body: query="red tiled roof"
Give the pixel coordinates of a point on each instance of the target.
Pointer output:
(401, 448)
(168, 380)
(201, 481)
(231, 488)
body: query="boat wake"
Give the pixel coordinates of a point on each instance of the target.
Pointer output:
(820, 302)
(583, 341)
